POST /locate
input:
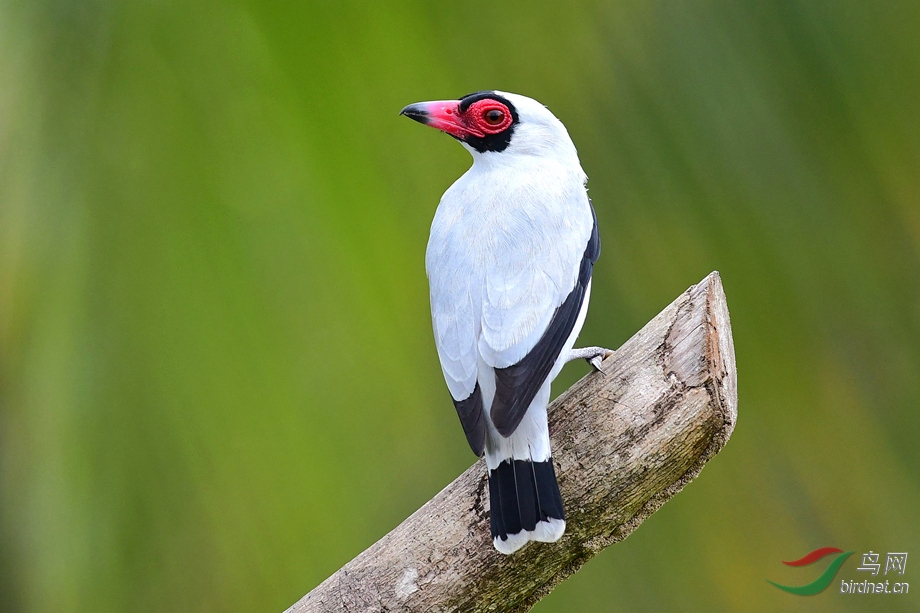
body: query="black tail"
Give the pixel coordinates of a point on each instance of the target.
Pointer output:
(522, 493)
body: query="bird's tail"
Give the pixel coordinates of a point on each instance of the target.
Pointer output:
(525, 504)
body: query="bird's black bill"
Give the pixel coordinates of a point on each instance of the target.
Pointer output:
(416, 112)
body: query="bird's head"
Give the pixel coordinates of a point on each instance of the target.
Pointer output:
(494, 124)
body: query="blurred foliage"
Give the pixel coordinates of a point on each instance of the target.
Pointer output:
(217, 379)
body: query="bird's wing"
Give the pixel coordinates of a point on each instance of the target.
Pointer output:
(530, 306)
(455, 315)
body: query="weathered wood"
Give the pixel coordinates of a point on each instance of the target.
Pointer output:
(624, 440)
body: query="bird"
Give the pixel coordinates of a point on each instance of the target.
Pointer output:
(509, 262)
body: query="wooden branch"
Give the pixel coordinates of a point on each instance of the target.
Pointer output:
(624, 441)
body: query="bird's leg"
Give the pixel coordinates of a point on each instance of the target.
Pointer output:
(594, 355)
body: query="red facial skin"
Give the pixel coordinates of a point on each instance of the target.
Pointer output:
(482, 118)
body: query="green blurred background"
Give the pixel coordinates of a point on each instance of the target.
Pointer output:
(217, 377)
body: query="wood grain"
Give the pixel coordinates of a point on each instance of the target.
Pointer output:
(625, 440)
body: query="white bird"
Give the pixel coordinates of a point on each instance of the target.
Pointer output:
(509, 262)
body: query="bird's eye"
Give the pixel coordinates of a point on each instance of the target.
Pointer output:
(493, 117)
(489, 117)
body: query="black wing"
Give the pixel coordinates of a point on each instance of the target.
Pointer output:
(516, 385)
(474, 426)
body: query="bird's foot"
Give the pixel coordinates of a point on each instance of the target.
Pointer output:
(594, 355)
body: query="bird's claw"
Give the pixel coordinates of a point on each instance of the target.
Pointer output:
(593, 355)
(599, 358)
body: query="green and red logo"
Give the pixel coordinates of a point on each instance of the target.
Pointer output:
(821, 583)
